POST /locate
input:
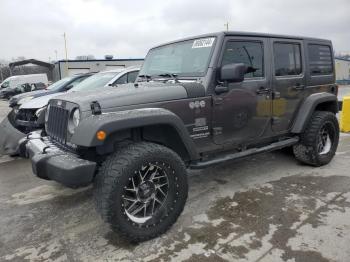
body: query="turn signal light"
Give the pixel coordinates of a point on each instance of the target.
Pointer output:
(101, 135)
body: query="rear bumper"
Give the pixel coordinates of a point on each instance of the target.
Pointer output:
(52, 163)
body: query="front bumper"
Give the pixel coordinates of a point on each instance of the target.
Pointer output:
(9, 137)
(52, 163)
(13, 102)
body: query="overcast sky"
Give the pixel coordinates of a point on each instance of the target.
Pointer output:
(127, 28)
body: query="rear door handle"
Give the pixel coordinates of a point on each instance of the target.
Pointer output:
(262, 90)
(298, 86)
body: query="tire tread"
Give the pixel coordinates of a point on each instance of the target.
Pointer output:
(112, 170)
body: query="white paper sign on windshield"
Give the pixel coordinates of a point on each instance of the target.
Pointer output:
(203, 42)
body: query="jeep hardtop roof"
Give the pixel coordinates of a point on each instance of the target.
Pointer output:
(248, 34)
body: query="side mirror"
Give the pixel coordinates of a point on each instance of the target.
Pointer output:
(221, 89)
(233, 72)
(68, 87)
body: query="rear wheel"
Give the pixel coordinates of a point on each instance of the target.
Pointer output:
(141, 190)
(319, 141)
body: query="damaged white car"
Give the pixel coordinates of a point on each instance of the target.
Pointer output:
(30, 115)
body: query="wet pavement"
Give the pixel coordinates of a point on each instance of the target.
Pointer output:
(263, 208)
(4, 108)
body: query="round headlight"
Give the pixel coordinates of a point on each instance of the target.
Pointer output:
(76, 117)
(74, 120)
(40, 111)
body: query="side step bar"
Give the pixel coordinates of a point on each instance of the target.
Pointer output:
(248, 152)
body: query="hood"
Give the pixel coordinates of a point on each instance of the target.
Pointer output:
(128, 94)
(38, 102)
(36, 93)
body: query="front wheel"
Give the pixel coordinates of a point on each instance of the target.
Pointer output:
(319, 141)
(141, 190)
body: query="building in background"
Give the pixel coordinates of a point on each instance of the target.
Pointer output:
(65, 68)
(26, 67)
(342, 70)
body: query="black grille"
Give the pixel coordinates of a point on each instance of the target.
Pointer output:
(26, 115)
(57, 123)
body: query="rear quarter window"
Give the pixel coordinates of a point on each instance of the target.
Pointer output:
(320, 59)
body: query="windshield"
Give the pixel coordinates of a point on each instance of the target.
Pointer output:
(187, 58)
(17, 86)
(60, 83)
(95, 81)
(5, 84)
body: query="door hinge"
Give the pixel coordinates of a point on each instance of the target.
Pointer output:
(218, 100)
(276, 95)
(275, 120)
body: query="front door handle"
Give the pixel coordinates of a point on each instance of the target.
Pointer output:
(262, 90)
(298, 86)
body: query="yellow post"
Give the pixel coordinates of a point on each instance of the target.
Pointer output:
(345, 115)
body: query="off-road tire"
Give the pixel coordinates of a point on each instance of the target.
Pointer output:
(306, 151)
(116, 172)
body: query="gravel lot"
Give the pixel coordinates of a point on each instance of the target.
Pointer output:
(264, 208)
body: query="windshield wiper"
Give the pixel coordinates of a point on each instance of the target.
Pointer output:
(148, 77)
(171, 75)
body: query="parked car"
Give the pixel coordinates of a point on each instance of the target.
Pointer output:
(9, 92)
(30, 115)
(136, 141)
(62, 85)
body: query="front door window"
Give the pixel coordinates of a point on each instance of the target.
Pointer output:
(249, 53)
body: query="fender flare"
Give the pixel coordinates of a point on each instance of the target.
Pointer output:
(85, 133)
(308, 107)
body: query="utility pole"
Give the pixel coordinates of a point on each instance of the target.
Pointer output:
(226, 25)
(65, 48)
(56, 54)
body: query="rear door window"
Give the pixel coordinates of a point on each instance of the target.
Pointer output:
(320, 59)
(287, 57)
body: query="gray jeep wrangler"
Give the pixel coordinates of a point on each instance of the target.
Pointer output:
(197, 102)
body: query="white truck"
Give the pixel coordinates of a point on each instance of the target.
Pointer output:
(14, 81)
